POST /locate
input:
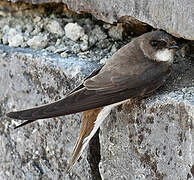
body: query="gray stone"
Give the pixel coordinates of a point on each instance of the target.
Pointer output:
(38, 26)
(38, 42)
(175, 17)
(51, 49)
(150, 141)
(54, 27)
(116, 32)
(74, 31)
(11, 36)
(40, 150)
(37, 19)
(75, 48)
(5, 29)
(96, 35)
(15, 39)
(85, 44)
(64, 54)
(29, 28)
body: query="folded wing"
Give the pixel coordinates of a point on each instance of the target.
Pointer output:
(95, 92)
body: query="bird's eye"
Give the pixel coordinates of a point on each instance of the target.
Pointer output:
(154, 43)
(159, 44)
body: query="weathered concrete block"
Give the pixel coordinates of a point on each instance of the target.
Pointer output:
(40, 150)
(176, 17)
(150, 141)
(153, 138)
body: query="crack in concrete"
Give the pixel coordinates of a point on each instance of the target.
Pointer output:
(94, 156)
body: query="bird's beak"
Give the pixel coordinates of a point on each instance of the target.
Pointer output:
(173, 46)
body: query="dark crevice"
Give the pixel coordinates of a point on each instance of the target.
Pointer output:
(94, 156)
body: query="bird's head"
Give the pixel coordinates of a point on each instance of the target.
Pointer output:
(159, 45)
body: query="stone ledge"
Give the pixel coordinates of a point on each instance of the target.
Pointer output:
(175, 17)
(151, 139)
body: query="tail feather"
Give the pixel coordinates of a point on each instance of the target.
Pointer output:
(91, 121)
(88, 122)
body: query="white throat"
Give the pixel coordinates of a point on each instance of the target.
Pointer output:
(164, 55)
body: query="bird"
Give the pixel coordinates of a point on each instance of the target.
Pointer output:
(136, 70)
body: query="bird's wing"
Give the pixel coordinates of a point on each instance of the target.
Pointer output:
(117, 80)
(95, 72)
(96, 93)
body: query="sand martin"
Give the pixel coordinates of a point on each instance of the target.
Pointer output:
(135, 70)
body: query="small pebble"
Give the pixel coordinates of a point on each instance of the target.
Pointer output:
(38, 42)
(74, 31)
(64, 54)
(54, 27)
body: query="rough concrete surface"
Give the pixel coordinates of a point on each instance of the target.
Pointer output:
(174, 16)
(40, 150)
(153, 138)
(150, 141)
